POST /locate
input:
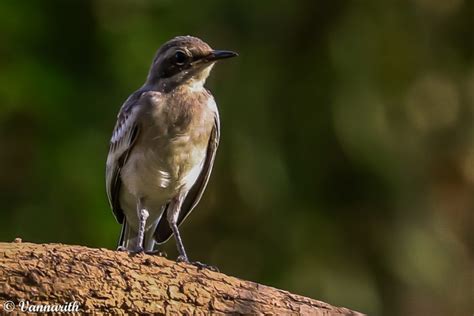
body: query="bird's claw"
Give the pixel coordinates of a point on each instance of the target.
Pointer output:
(201, 266)
(197, 264)
(137, 250)
(182, 259)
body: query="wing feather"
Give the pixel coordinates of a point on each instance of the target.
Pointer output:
(123, 138)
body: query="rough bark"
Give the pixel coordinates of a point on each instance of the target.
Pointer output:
(105, 281)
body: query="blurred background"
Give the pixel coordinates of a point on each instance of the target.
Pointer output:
(346, 165)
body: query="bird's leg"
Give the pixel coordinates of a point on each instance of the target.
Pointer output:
(172, 216)
(142, 217)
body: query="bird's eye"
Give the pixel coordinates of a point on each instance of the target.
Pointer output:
(180, 57)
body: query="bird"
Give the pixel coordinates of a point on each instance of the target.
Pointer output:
(163, 146)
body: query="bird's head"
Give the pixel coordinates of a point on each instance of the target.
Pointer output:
(184, 60)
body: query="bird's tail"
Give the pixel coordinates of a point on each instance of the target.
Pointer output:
(123, 242)
(122, 235)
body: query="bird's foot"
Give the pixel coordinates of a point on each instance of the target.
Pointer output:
(182, 259)
(137, 250)
(197, 264)
(201, 266)
(158, 253)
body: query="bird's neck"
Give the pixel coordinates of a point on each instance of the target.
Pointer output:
(193, 84)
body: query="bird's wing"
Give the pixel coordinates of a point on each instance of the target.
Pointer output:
(123, 138)
(163, 231)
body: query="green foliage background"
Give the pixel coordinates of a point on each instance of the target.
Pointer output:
(346, 165)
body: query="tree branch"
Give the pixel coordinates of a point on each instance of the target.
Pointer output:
(108, 281)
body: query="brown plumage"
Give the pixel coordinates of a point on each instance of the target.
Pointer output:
(163, 146)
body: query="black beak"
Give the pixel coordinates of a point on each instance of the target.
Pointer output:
(220, 54)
